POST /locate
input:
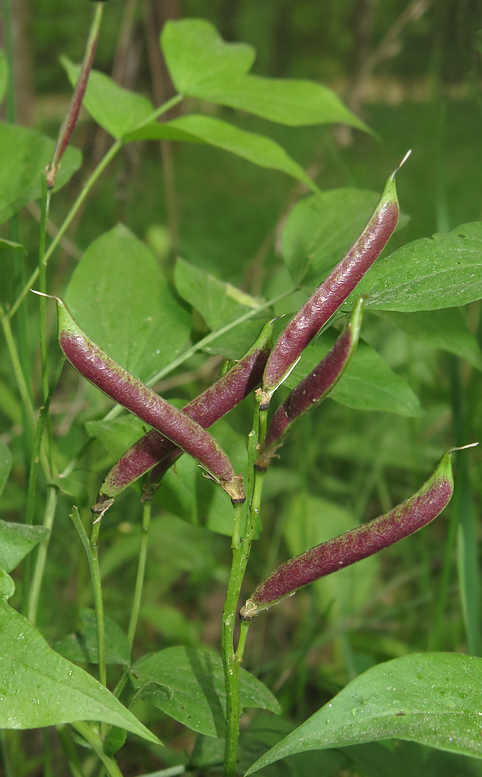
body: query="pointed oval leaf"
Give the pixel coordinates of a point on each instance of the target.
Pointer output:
(24, 154)
(188, 685)
(367, 384)
(119, 296)
(434, 699)
(443, 271)
(203, 65)
(82, 646)
(116, 109)
(197, 56)
(38, 687)
(317, 232)
(445, 329)
(16, 540)
(255, 148)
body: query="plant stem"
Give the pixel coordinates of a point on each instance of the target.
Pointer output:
(18, 372)
(241, 550)
(96, 744)
(69, 751)
(34, 593)
(183, 357)
(109, 156)
(141, 568)
(32, 484)
(91, 548)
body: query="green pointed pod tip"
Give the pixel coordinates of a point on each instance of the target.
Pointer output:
(334, 290)
(359, 543)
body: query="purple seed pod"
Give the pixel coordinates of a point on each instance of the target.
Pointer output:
(314, 388)
(70, 121)
(334, 290)
(205, 409)
(357, 544)
(118, 384)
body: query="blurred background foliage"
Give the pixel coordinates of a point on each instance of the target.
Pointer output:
(412, 71)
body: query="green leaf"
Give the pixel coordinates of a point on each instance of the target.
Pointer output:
(3, 74)
(9, 245)
(7, 586)
(24, 155)
(117, 435)
(16, 540)
(311, 520)
(433, 699)
(202, 65)
(445, 329)
(317, 232)
(443, 271)
(188, 685)
(82, 646)
(40, 688)
(116, 109)
(367, 384)
(219, 304)
(195, 128)
(5, 464)
(119, 296)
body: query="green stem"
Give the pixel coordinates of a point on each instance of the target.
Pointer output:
(96, 744)
(70, 752)
(200, 345)
(241, 550)
(91, 548)
(105, 161)
(141, 568)
(33, 479)
(18, 372)
(34, 593)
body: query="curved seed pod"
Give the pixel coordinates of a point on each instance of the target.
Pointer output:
(359, 543)
(314, 388)
(70, 120)
(208, 407)
(334, 290)
(98, 368)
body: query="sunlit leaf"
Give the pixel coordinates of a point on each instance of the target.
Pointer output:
(116, 109)
(203, 65)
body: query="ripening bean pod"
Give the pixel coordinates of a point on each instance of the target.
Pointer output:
(123, 387)
(205, 409)
(357, 544)
(334, 290)
(313, 389)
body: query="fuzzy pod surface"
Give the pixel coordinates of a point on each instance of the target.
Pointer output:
(334, 290)
(123, 387)
(205, 409)
(359, 543)
(314, 388)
